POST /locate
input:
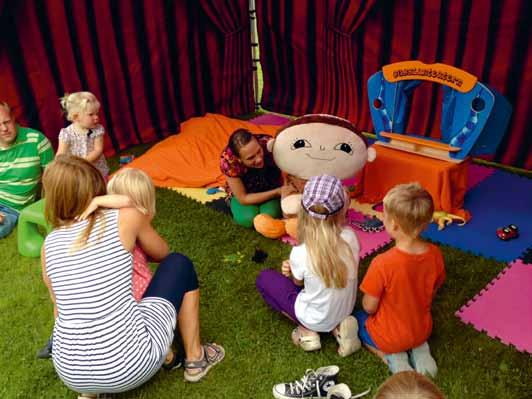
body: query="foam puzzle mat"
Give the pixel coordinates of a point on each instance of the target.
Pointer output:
(198, 194)
(503, 309)
(498, 201)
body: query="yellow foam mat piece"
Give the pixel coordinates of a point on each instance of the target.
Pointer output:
(198, 194)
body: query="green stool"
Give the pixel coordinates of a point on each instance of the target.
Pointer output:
(29, 237)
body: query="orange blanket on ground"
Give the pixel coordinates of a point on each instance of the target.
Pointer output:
(445, 181)
(191, 158)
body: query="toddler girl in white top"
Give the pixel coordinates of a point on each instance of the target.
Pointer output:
(318, 285)
(84, 136)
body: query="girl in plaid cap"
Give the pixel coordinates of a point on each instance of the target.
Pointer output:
(317, 287)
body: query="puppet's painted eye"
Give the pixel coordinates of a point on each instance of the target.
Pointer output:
(301, 143)
(344, 147)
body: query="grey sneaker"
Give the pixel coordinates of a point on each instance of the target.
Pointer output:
(347, 336)
(422, 360)
(398, 362)
(314, 384)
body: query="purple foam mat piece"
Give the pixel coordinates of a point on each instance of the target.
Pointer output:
(269, 119)
(369, 242)
(501, 199)
(504, 308)
(476, 174)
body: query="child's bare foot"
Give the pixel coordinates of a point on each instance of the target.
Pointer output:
(2, 217)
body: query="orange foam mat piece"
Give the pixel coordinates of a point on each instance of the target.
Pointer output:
(191, 158)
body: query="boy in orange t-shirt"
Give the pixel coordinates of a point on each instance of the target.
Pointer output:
(400, 285)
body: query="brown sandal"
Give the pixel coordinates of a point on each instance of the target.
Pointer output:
(205, 363)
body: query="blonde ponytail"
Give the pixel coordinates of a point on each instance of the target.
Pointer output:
(327, 251)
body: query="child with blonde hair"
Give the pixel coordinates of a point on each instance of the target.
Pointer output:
(401, 283)
(84, 136)
(408, 384)
(318, 285)
(130, 188)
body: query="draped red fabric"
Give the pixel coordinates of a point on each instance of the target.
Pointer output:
(232, 18)
(312, 66)
(343, 19)
(151, 64)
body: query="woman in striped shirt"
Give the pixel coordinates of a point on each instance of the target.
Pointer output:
(103, 340)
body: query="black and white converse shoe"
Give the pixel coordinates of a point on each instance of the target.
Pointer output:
(314, 384)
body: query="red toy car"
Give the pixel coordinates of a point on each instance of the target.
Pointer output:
(508, 232)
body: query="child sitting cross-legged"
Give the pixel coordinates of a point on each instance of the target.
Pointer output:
(400, 285)
(318, 285)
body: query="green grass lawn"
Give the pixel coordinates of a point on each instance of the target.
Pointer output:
(257, 341)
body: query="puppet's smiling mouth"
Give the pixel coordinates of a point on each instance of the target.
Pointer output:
(320, 159)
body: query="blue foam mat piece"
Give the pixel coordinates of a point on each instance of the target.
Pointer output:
(500, 200)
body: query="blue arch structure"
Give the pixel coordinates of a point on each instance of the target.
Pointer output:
(474, 116)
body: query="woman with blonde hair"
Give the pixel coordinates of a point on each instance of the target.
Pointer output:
(103, 340)
(318, 285)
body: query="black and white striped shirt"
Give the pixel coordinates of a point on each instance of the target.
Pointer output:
(103, 341)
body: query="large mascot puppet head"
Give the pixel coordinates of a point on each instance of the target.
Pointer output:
(320, 144)
(314, 145)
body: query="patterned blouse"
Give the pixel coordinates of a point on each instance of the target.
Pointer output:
(254, 180)
(81, 144)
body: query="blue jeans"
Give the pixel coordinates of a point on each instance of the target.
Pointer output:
(10, 220)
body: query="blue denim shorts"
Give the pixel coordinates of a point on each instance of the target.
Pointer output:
(10, 220)
(363, 333)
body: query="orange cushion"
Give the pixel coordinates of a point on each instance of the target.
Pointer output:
(191, 158)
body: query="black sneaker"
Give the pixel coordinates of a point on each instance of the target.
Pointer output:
(46, 351)
(175, 363)
(314, 384)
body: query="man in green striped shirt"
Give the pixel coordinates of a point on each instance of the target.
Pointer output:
(24, 152)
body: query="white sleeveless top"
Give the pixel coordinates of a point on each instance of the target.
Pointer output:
(103, 341)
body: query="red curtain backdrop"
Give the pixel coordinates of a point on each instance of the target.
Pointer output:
(318, 55)
(232, 18)
(152, 64)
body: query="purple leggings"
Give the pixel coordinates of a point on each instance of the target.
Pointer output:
(278, 291)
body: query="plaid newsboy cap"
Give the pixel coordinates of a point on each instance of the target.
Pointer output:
(326, 191)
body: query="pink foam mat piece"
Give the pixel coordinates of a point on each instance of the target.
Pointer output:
(503, 309)
(476, 174)
(369, 242)
(269, 119)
